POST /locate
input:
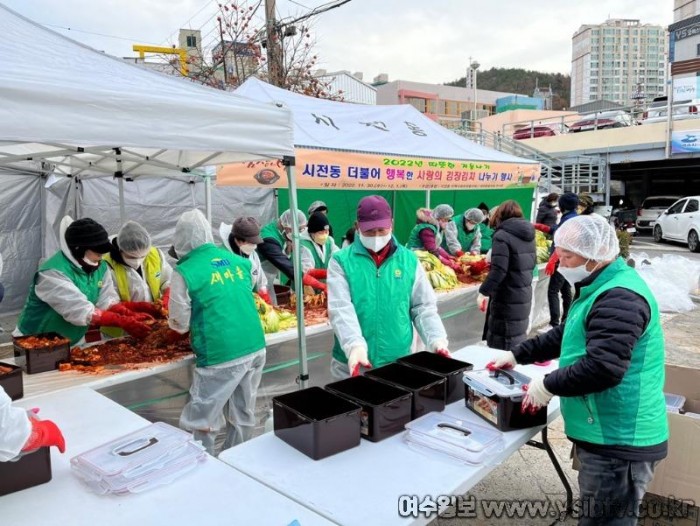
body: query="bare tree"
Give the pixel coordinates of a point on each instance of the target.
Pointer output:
(233, 49)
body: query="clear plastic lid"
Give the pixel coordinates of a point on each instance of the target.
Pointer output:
(461, 439)
(505, 384)
(674, 402)
(135, 453)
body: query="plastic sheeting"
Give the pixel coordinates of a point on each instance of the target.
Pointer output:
(671, 278)
(156, 203)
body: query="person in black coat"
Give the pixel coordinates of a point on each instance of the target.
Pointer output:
(506, 294)
(547, 211)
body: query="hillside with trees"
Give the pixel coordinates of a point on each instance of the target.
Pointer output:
(513, 80)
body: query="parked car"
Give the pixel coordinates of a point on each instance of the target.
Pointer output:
(539, 130)
(603, 120)
(651, 209)
(680, 222)
(682, 109)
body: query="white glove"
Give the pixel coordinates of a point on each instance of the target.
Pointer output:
(504, 361)
(482, 302)
(537, 395)
(357, 357)
(440, 346)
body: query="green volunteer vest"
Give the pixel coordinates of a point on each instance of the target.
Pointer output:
(224, 323)
(414, 241)
(382, 300)
(318, 262)
(486, 237)
(465, 237)
(151, 269)
(38, 317)
(632, 413)
(270, 230)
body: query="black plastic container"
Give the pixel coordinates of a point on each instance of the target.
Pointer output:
(316, 422)
(386, 409)
(12, 381)
(29, 471)
(428, 389)
(489, 398)
(450, 368)
(42, 359)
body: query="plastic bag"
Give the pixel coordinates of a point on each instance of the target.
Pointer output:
(671, 278)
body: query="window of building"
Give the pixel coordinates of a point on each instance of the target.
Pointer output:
(417, 103)
(431, 106)
(451, 108)
(191, 41)
(697, 52)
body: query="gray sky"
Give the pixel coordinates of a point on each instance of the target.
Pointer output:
(407, 39)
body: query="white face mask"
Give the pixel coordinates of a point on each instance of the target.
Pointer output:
(247, 248)
(375, 244)
(91, 263)
(575, 274)
(320, 239)
(134, 263)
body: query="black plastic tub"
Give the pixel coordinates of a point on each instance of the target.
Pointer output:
(386, 409)
(428, 389)
(29, 471)
(316, 422)
(494, 404)
(42, 359)
(450, 368)
(12, 381)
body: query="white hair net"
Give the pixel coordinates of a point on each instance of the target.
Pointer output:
(474, 214)
(286, 218)
(191, 231)
(589, 236)
(133, 238)
(313, 207)
(443, 212)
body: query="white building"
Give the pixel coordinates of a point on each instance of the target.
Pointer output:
(349, 87)
(619, 61)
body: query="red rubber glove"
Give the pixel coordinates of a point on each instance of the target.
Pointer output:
(310, 281)
(551, 267)
(443, 352)
(318, 273)
(459, 253)
(165, 299)
(174, 336)
(449, 263)
(44, 434)
(142, 306)
(265, 296)
(120, 309)
(543, 228)
(130, 324)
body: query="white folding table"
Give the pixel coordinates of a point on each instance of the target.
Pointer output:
(363, 485)
(213, 493)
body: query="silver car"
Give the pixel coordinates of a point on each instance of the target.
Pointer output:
(651, 209)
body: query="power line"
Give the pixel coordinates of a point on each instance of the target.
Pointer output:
(95, 33)
(206, 4)
(300, 5)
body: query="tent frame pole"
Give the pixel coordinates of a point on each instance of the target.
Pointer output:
(122, 205)
(207, 197)
(303, 379)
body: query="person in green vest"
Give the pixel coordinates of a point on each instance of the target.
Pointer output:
(472, 234)
(73, 289)
(320, 206)
(317, 248)
(377, 293)
(242, 237)
(611, 372)
(212, 298)
(276, 249)
(429, 232)
(139, 271)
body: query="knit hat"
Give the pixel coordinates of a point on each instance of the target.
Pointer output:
(318, 222)
(568, 202)
(373, 212)
(247, 229)
(86, 233)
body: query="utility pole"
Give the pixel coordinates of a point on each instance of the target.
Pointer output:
(274, 48)
(223, 52)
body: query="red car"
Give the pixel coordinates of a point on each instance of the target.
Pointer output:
(530, 132)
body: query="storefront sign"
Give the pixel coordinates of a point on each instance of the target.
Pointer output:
(685, 141)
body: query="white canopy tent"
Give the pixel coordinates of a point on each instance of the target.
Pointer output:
(74, 120)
